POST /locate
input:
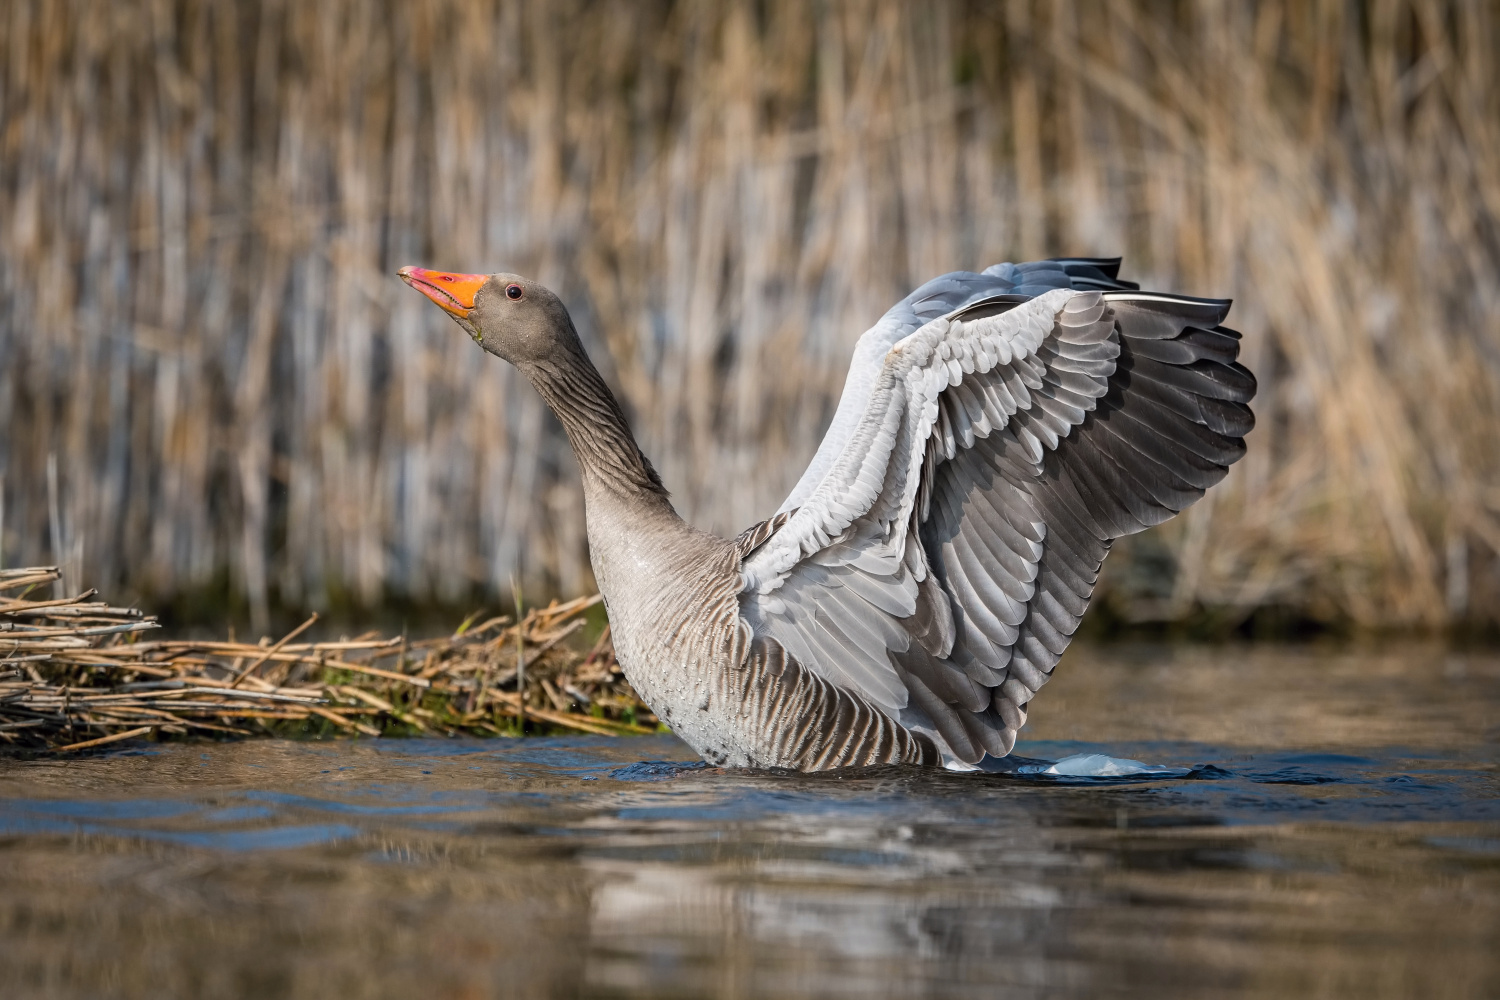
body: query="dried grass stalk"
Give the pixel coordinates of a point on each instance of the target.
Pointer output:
(203, 204)
(76, 674)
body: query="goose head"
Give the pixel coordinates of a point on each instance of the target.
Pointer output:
(511, 317)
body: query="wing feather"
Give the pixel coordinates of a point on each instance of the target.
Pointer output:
(996, 433)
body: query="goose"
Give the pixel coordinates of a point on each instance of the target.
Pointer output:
(997, 431)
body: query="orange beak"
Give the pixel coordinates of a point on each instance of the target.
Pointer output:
(454, 292)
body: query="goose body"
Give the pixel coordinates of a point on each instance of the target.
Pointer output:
(996, 433)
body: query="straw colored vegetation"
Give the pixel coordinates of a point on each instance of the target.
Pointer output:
(204, 203)
(76, 674)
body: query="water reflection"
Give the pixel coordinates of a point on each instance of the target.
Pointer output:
(562, 867)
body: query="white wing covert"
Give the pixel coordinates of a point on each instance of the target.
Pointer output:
(941, 549)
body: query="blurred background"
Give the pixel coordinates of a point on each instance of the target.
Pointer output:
(217, 398)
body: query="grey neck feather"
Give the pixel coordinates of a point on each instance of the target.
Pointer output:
(608, 455)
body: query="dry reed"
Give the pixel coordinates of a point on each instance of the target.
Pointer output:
(75, 675)
(203, 204)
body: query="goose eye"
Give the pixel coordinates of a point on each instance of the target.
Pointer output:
(513, 291)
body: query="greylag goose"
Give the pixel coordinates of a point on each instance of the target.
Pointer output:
(995, 434)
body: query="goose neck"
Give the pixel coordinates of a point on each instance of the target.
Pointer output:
(608, 456)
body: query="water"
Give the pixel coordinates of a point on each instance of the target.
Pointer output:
(1338, 834)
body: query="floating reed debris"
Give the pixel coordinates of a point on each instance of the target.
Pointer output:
(75, 674)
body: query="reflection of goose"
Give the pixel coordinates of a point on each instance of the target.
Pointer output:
(996, 433)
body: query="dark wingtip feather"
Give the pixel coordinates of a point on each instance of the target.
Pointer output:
(1094, 273)
(1109, 266)
(1170, 312)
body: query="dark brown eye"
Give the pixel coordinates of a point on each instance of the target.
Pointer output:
(513, 291)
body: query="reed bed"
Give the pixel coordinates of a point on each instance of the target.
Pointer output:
(76, 674)
(204, 203)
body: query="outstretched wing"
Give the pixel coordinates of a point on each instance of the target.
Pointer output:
(941, 549)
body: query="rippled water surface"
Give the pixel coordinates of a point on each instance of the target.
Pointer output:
(1338, 836)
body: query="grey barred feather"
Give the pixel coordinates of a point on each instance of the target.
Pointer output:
(756, 535)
